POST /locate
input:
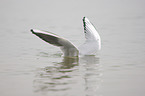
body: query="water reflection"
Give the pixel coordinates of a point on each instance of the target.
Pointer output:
(92, 75)
(57, 77)
(69, 77)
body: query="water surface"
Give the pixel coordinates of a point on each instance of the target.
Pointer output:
(31, 67)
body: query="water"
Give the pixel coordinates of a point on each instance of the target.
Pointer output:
(31, 67)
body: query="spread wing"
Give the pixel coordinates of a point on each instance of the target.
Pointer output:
(89, 30)
(93, 41)
(66, 46)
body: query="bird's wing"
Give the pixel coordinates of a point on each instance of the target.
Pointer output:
(66, 46)
(93, 41)
(89, 30)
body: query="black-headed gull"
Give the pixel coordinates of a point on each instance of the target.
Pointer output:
(91, 46)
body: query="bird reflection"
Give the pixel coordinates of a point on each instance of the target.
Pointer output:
(91, 75)
(57, 77)
(70, 76)
(69, 62)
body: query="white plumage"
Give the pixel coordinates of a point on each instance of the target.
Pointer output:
(91, 46)
(93, 41)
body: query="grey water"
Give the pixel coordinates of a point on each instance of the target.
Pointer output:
(32, 67)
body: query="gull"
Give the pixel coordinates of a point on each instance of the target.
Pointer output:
(91, 45)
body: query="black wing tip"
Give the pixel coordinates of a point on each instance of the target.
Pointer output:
(84, 19)
(84, 23)
(32, 31)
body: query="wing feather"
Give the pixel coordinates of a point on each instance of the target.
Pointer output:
(66, 46)
(93, 41)
(48, 37)
(89, 30)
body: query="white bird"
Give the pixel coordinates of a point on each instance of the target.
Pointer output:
(91, 46)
